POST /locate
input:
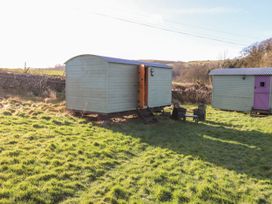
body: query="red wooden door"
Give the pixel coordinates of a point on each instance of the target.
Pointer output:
(143, 87)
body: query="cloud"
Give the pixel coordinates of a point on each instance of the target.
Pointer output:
(211, 11)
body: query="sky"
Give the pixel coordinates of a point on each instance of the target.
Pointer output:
(49, 32)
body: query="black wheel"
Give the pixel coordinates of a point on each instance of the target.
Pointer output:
(196, 120)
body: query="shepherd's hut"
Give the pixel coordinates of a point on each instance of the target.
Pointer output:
(104, 85)
(242, 89)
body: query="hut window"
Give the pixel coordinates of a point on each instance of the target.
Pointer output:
(262, 84)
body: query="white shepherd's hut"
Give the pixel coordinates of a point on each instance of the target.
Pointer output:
(242, 89)
(100, 84)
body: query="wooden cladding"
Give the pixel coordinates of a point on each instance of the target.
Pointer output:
(143, 86)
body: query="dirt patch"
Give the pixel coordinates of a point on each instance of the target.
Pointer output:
(106, 119)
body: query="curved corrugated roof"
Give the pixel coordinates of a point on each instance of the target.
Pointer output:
(242, 71)
(126, 61)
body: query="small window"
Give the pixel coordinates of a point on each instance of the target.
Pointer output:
(262, 84)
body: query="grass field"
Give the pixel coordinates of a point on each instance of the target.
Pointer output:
(38, 71)
(48, 156)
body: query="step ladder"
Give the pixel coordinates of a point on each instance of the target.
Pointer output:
(259, 113)
(147, 115)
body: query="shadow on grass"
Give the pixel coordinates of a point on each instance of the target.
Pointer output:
(246, 152)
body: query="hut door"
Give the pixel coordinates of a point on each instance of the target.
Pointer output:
(262, 92)
(143, 86)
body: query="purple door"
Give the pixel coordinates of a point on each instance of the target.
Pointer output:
(262, 92)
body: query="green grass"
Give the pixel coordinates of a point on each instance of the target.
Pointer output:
(48, 156)
(38, 71)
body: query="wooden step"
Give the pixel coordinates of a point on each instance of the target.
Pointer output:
(147, 115)
(256, 112)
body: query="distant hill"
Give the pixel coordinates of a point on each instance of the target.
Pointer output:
(159, 61)
(256, 55)
(192, 71)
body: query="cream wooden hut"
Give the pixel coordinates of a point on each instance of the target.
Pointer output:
(107, 85)
(242, 89)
